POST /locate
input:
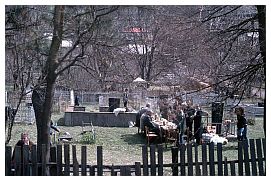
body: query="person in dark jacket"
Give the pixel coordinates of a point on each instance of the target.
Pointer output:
(76, 101)
(23, 141)
(189, 117)
(146, 120)
(197, 125)
(140, 112)
(241, 124)
(125, 98)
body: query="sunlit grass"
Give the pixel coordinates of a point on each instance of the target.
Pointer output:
(123, 145)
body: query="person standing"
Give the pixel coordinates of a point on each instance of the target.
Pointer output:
(181, 124)
(241, 124)
(197, 124)
(125, 98)
(189, 117)
(76, 101)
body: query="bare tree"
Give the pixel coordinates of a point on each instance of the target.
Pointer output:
(77, 26)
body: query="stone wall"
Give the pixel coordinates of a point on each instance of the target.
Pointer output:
(104, 119)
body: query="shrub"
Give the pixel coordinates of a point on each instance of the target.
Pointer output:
(87, 138)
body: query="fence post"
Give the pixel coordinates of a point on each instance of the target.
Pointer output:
(74, 161)
(67, 159)
(99, 160)
(113, 172)
(91, 170)
(174, 152)
(253, 157)
(264, 148)
(246, 157)
(264, 152)
(59, 160)
(198, 171)
(34, 160)
(137, 169)
(190, 159)
(152, 160)
(18, 161)
(8, 155)
(211, 159)
(226, 166)
(125, 171)
(83, 160)
(232, 165)
(26, 169)
(182, 159)
(240, 158)
(43, 160)
(260, 157)
(53, 169)
(219, 159)
(160, 160)
(204, 159)
(145, 160)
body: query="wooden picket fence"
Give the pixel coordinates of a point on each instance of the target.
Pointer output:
(185, 161)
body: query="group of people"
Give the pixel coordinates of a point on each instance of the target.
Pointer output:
(181, 114)
(187, 117)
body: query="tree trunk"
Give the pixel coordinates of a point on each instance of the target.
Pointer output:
(42, 97)
(262, 42)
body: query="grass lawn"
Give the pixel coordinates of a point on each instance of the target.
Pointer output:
(123, 145)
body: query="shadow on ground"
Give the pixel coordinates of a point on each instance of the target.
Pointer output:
(133, 139)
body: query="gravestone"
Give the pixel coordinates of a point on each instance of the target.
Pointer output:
(113, 104)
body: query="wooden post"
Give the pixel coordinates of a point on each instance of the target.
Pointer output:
(260, 157)
(26, 167)
(113, 172)
(174, 152)
(246, 158)
(67, 159)
(18, 161)
(59, 160)
(253, 157)
(43, 160)
(211, 159)
(226, 166)
(92, 170)
(137, 169)
(232, 165)
(145, 160)
(99, 160)
(128, 171)
(219, 159)
(160, 160)
(75, 162)
(8, 154)
(190, 159)
(204, 159)
(182, 159)
(83, 160)
(264, 148)
(152, 160)
(198, 172)
(53, 168)
(240, 158)
(34, 160)
(125, 171)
